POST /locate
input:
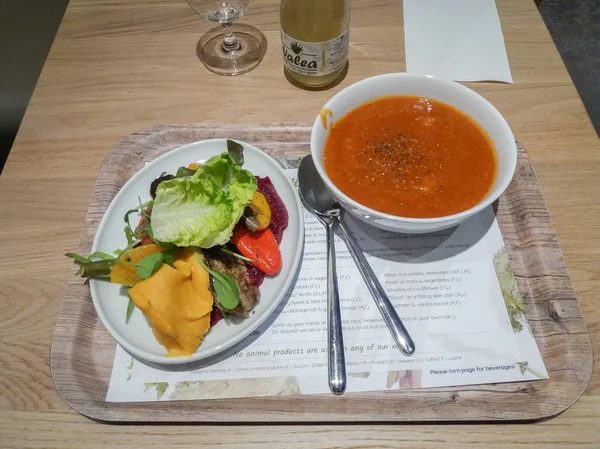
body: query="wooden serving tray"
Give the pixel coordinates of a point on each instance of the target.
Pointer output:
(82, 351)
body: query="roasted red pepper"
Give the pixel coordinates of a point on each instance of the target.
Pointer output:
(261, 247)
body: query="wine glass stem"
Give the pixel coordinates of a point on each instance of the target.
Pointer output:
(230, 42)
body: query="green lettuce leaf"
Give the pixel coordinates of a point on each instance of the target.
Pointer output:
(202, 210)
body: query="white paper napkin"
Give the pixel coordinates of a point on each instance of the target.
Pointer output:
(459, 40)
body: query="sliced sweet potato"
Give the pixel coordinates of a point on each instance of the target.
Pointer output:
(125, 274)
(177, 301)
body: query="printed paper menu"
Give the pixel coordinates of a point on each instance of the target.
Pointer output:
(454, 290)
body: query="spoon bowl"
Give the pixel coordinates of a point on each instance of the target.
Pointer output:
(315, 193)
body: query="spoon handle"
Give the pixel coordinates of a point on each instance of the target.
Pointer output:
(388, 312)
(337, 362)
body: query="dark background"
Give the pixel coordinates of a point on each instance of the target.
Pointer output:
(28, 27)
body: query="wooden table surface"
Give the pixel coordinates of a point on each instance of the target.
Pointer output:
(118, 66)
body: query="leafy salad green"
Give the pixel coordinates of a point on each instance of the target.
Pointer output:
(202, 210)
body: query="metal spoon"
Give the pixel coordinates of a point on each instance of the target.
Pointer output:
(335, 341)
(318, 199)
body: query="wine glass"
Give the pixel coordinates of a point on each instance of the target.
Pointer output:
(228, 53)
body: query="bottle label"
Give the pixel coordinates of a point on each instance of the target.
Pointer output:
(315, 58)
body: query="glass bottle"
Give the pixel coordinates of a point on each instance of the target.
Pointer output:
(315, 39)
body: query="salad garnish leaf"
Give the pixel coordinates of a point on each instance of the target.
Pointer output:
(100, 269)
(96, 269)
(184, 172)
(78, 258)
(129, 235)
(143, 208)
(129, 231)
(150, 232)
(131, 245)
(90, 268)
(202, 210)
(169, 256)
(225, 287)
(91, 257)
(148, 265)
(239, 256)
(101, 255)
(130, 308)
(236, 151)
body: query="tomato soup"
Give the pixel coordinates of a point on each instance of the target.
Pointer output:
(410, 156)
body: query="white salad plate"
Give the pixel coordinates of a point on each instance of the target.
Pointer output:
(110, 300)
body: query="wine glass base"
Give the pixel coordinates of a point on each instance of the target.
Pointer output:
(221, 62)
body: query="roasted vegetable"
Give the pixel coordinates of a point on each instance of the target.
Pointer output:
(227, 291)
(259, 246)
(261, 209)
(235, 268)
(177, 301)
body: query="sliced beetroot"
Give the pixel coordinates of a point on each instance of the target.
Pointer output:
(215, 316)
(255, 275)
(279, 214)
